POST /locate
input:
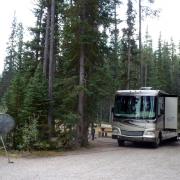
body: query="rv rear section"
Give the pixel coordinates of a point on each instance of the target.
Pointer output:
(144, 116)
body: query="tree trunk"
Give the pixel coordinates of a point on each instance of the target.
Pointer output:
(38, 33)
(81, 96)
(145, 74)
(129, 66)
(115, 69)
(140, 46)
(51, 69)
(82, 127)
(46, 46)
(116, 29)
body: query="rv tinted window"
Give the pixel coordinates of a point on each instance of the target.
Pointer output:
(135, 107)
(160, 106)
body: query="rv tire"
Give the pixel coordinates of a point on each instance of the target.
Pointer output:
(157, 142)
(120, 142)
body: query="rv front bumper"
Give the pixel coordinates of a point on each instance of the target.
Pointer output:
(147, 135)
(134, 139)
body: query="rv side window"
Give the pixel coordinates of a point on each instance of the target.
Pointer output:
(160, 106)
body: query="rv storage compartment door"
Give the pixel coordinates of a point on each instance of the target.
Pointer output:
(171, 112)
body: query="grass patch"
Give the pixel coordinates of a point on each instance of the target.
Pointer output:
(46, 153)
(31, 154)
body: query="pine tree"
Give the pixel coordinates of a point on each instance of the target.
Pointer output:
(148, 57)
(114, 61)
(10, 59)
(82, 42)
(147, 11)
(33, 111)
(128, 44)
(20, 47)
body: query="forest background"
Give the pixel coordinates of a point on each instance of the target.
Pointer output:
(63, 80)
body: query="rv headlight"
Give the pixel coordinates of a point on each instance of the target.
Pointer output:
(149, 133)
(115, 131)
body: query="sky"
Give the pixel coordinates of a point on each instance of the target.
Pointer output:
(23, 10)
(167, 23)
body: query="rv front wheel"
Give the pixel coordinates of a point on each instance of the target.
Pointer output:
(157, 142)
(120, 142)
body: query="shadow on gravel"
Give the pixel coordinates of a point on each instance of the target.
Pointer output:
(104, 143)
(170, 143)
(145, 145)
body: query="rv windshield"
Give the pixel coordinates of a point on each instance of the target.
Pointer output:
(135, 107)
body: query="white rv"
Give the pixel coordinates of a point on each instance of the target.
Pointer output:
(144, 115)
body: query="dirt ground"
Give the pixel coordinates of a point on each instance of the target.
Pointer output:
(103, 160)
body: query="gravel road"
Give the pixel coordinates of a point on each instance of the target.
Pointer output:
(105, 161)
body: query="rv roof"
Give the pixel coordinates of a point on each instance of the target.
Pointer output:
(141, 92)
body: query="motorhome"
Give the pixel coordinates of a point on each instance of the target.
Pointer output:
(144, 115)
